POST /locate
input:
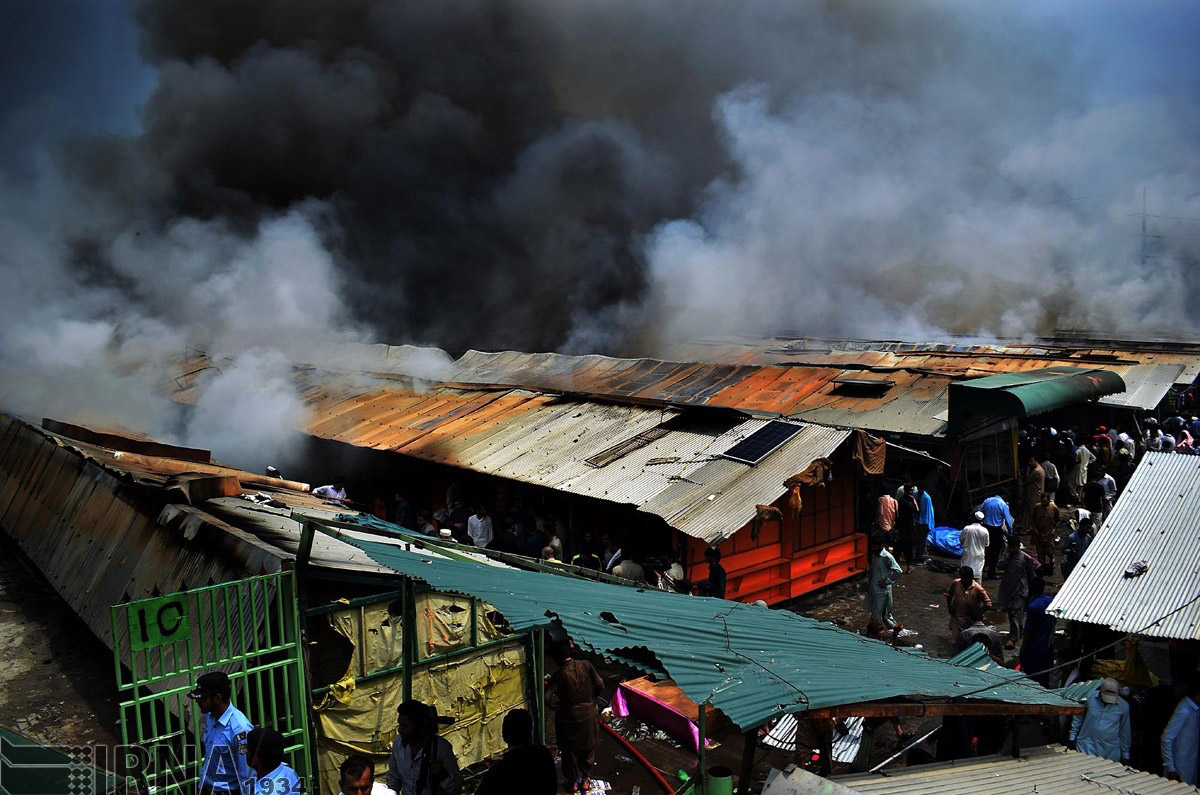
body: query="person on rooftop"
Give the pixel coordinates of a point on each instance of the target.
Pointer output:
(1104, 729)
(334, 492)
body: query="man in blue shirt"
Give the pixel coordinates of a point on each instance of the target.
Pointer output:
(925, 522)
(273, 776)
(1182, 735)
(1104, 729)
(226, 732)
(999, 522)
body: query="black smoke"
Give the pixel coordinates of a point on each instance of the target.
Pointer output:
(603, 177)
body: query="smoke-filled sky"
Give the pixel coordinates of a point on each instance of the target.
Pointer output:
(255, 177)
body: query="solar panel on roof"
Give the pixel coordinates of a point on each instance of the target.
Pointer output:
(762, 442)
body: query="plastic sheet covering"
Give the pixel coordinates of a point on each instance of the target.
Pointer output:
(361, 718)
(476, 689)
(444, 624)
(945, 541)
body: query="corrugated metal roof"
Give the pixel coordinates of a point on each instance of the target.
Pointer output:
(976, 656)
(1145, 385)
(910, 405)
(556, 442)
(84, 527)
(751, 662)
(1156, 519)
(1050, 769)
(719, 496)
(103, 526)
(954, 358)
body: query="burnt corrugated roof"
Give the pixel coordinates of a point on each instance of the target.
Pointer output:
(567, 444)
(910, 404)
(1156, 520)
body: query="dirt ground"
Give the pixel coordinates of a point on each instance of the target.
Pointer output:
(918, 605)
(56, 678)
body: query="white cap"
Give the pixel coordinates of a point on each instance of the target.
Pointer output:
(979, 516)
(759, 603)
(445, 533)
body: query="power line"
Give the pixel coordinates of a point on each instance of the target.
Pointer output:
(1170, 217)
(1081, 198)
(1174, 237)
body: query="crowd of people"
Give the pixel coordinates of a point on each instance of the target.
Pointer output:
(522, 531)
(1069, 482)
(241, 759)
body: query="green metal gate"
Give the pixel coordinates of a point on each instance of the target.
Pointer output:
(249, 629)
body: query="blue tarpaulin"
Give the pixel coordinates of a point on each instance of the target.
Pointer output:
(945, 540)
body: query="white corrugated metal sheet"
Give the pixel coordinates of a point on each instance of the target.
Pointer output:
(1145, 385)
(1156, 519)
(1050, 770)
(719, 496)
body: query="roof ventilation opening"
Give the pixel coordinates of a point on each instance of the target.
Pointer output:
(861, 386)
(607, 456)
(763, 442)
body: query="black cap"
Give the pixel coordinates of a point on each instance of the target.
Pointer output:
(212, 683)
(264, 742)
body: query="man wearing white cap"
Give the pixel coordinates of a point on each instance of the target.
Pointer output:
(974, 540)
(1104, 729)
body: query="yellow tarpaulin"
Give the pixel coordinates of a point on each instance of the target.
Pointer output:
(359, 717)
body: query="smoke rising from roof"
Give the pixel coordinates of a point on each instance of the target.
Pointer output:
(584, 177)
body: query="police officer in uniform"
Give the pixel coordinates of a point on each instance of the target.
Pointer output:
(226, 733)
(274, 776)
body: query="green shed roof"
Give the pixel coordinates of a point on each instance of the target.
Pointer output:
(1028, 393)
(752, 663)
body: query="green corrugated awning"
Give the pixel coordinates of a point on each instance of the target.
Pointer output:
(1028, 393)
(752, 663)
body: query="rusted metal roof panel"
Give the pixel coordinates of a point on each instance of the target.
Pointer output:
(794, 391)
(91, 534)
(1154, 520)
